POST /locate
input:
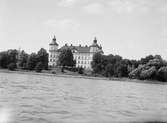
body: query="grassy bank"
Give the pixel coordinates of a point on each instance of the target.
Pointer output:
(75, 75)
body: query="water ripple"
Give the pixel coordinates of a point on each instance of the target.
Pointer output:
(49, 99)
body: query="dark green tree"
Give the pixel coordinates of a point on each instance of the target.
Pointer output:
(42, 57)
(32, 61)
(22, 59)
(146, 59)
(8, 57)
(12, 66)
(162, 74)
(109, 70)
(97, 63)
(121, 69)
(39, 67)
(66, 59)
(4, 59)
(80, 70)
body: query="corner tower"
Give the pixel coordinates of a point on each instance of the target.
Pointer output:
(53, 53)
(94, 48)
(53, 45)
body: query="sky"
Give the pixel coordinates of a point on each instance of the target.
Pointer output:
(130, 28)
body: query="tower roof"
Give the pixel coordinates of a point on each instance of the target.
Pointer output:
(54, 41)
(94, 44)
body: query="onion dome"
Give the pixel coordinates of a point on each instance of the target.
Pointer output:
(54, 41)
(94, 44)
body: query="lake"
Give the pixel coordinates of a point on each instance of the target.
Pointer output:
(28, 98)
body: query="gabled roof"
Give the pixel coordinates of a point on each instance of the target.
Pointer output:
(79, 49)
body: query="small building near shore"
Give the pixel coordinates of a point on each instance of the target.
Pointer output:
(83, 55)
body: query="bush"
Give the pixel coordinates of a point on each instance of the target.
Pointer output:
(148, 74)
(53, 72)
(162, 74)
(155, 62)
(80, 70)
(39, 67)
(12, 66)
(136, 72)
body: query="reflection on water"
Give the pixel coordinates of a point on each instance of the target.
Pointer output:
(49, 99)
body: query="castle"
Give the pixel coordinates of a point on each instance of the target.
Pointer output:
(83, 55)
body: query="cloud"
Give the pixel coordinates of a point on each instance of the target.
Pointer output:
(163, 9)
(94, 8)
(63, 24)
(66, 3)
(129, 6)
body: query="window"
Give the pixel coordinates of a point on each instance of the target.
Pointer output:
(50, 60)
(78, 57)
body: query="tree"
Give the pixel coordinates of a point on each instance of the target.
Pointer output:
(22, 59)
(42, 57)
(113, 59)
(8, 57)
(135, 74)
(39, 67)
(12, 56)
(80, 70)
(162, 74)
(146, 59)
(97, 63)
(66, 59)
(109, 70)
(12, 66)
(4, 59)
(148, 74)
(32, 61)
(121, 69)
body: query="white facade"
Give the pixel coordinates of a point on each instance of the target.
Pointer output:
(83, 55)
(53, 54)
(83, 59)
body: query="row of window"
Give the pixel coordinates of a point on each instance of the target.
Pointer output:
(83, 62)
(52, 60)
(83, 66)
(82, 57)
(53, 56)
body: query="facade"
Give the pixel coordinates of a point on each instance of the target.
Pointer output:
(83, 55)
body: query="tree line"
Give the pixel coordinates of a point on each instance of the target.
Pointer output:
(150, 68)
(13, 59)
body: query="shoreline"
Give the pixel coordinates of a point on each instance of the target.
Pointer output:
(83, 77)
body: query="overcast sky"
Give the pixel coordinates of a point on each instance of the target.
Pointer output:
(130, 28)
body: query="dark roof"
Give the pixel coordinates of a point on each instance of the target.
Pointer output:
(79, 49)
(82, 49)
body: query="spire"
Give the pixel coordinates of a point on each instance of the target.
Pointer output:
(95, 40)
(54, 38)
(54, 41)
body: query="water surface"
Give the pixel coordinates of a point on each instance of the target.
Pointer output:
(48, 99)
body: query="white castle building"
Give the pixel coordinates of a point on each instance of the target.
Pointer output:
(82, 54)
